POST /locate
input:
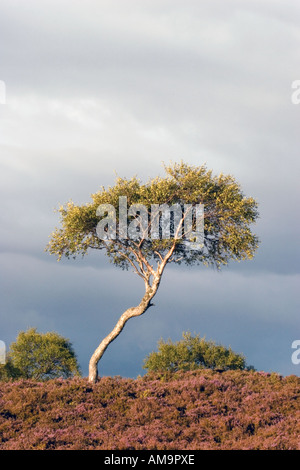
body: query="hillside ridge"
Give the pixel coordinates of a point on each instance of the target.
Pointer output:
(201, 409)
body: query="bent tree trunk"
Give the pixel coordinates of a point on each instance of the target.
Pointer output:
(129, 313)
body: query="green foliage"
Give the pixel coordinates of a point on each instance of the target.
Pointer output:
(190, 353)
(41, 356)
(8, 371)
(228, 215)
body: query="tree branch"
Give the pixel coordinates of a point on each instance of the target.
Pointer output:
(136, 270)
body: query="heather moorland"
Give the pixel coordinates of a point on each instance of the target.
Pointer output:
(203, 409)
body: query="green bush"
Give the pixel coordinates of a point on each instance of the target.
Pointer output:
(40, 356)
(193, 352)
(8, 371)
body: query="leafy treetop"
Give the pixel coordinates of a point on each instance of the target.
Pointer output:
(228, 215)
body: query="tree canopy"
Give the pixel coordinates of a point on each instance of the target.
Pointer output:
(41, 356)
(228, 215)
(193, 352)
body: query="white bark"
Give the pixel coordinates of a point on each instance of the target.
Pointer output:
(129, 313)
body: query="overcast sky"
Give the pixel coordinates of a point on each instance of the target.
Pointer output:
(101, 87)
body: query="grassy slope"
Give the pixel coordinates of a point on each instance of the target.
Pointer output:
(187, 410)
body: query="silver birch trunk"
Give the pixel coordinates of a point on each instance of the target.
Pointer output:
(129, 313)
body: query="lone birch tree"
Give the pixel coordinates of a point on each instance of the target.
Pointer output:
(189, 216)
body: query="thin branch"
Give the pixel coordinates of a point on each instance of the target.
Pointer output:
(178, 259)
(132, 264)
(140, 272)
(161, 267)
(159, 255)
(139, 260)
